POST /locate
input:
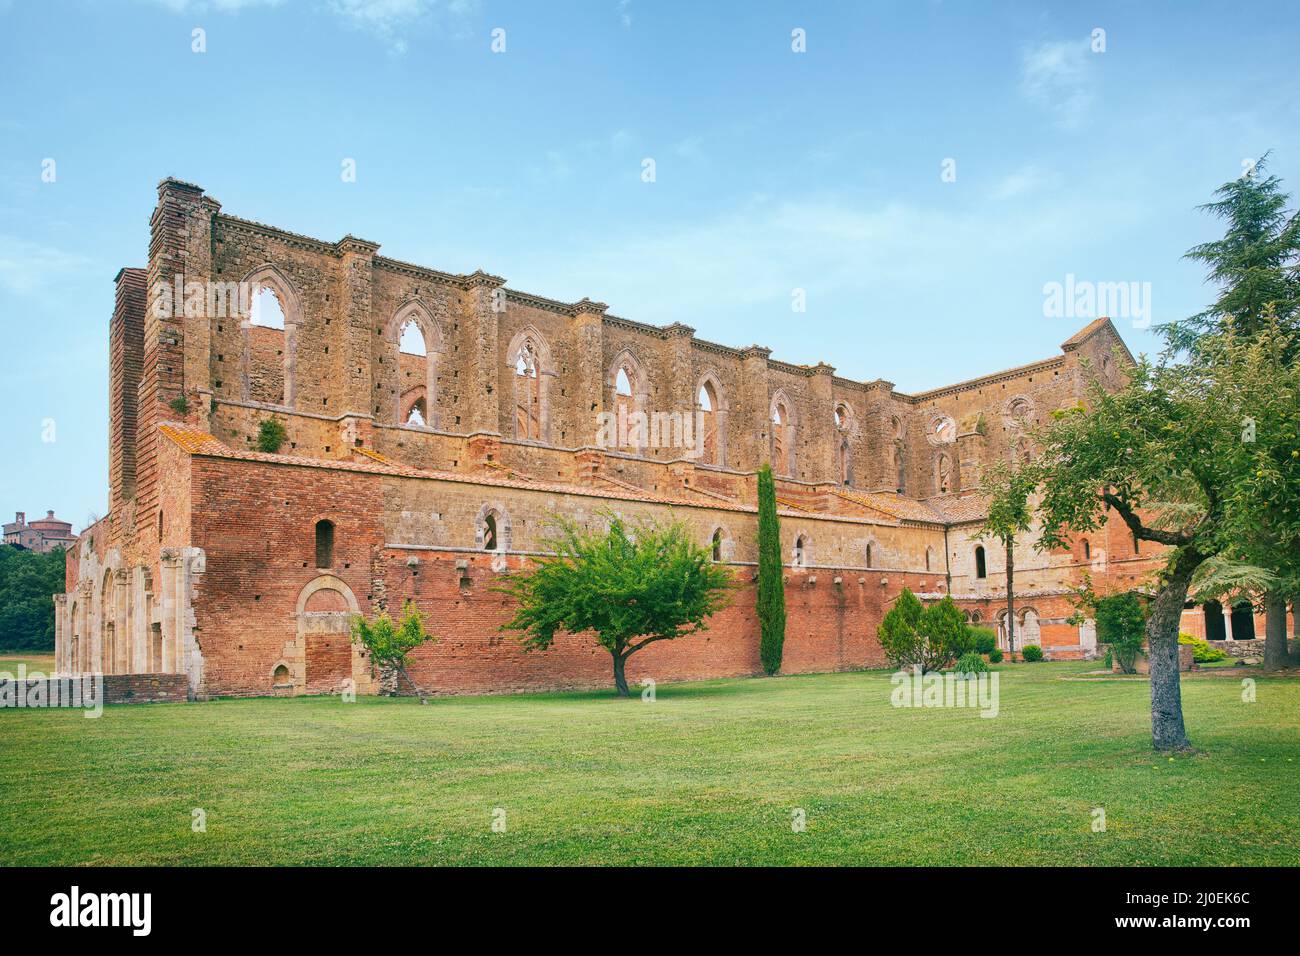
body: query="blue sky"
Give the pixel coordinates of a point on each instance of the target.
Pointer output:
(774, 170)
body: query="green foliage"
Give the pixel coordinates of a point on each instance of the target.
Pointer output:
(995, 656)
(771, 576)
(271, 434)
(1031, 653)
(1010, 512)
(970, 663)
(651, 582)
(389, 643)
(28, 582)
(180, 405)
(929, 637)
(986, 640)
(1121, 625)
(1202, 652)
(1254, 264)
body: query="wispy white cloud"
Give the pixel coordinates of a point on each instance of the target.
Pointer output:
(389, 20)
(625, 13)
(690, 147)
(220, 6)
(1027, 179)
(1056, 76)
(29, 268)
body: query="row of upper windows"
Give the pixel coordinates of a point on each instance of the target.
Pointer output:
(530, 401)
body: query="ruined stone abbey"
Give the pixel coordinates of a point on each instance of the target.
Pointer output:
(432, 422)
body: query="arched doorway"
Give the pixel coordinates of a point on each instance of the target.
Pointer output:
(1214, 629)
(1243, 621)
(323, 658)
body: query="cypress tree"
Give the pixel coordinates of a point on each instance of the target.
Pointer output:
(771, 586)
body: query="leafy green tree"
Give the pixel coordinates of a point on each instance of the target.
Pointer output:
(1167, 454)
(1256, 266)
(28, 582)
(632, 586)
(771, 576)
(912, 634)
(271, 435)
(1121, 624)
(1009, 487)
(389, 643)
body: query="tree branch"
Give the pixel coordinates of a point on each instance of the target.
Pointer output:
(1175, 539)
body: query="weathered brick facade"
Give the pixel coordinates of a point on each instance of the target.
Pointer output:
(240, 568)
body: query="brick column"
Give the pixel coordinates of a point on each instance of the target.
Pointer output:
(122, 663)
(824, 437)
(485, 302)
(360, 326)
(180, 210)
(754, 410)
(588, 375)
(681, 380)
(125, 359)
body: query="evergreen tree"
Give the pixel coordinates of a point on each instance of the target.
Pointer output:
(771, 576)
(1254, 264)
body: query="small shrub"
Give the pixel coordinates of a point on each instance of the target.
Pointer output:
(1031, 653)
(995, 655)
(985, 640)
(271, 435)
(1121, 624)
(912, 634)
(970, 663)
(1202, 652)
(180, 405)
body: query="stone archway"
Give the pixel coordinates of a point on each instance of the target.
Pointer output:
(322, 658)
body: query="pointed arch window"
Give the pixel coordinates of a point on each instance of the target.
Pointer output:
(709, 413)
(528, 422)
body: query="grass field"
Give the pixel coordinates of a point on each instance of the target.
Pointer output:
(34, 660)
(708, 773)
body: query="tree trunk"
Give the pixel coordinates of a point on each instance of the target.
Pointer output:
(620, 678)
(1011, 598)
(418, 693)
(1275, 656)
(1167, 730)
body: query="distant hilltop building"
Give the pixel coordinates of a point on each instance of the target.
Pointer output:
(43, 534)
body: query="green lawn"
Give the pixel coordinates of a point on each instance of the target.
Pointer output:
(35, 661)
(708, 773)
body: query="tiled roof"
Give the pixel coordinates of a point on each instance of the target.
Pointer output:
(956, 509)
(897, 506)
